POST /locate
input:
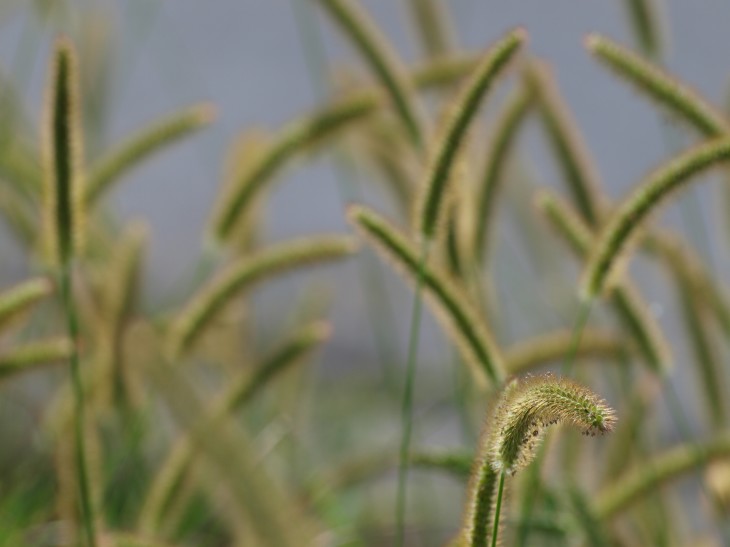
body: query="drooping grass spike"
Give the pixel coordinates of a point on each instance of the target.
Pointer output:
(451, 308)
(497, 155)
(382, 60)
(129, 154)
(462, 112)
(625, 221)
(525, 409)
(18, 299)
(30, 355)
(63, 193)
(630, 309)
(581, 176)
(644, 18)
(246, 271)
(647, 476)
(667, 90)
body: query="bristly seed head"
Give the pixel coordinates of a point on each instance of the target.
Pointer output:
(528, 406)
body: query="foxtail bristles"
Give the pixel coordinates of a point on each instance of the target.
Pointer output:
(648, 476)
(242, 274)
(382, 60)
(644, 18)
(668, 91)
(528, 406)
(433, 25)
(497, 154)
(18, 299)
(292, 351)
(129, 154)
(631, 310)
(580, 173)
(63, 192)
(551, 347)
(30, 355)
(624, 223)
(462, 112)
(451, 307)
(294, 138)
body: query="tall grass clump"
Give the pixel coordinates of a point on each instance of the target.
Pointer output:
(251, 394)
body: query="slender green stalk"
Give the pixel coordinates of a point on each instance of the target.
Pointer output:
(497, 509)
(379, 309)
(433, 25)
(407, 401)
(645, 22)
(79, 415)
(580, 323)
(451, 308)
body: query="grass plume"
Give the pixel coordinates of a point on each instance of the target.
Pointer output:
(129, 154)
(451, 308)
(242, 274)
(382, 60)
(463, 110)
(625, 221)
(667, 90)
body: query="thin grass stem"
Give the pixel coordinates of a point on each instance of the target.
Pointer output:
(407, 401)
(497, 509)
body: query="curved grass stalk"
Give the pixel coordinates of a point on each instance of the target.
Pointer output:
(31, 355)
(20, 298)
(298, 135)
(631, 311)
(64, 214)
(382, 59)
(562, 131)
(624, 223)
(648, 476)
(242, 274)
(497, 155)
(524, 411)
(547, 348)
(19, 216)
(451, 308)
(128, 155)
(241, 391)
(644, 20)
(463, 111)
(667, 90)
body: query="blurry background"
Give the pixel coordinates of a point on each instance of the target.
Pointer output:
(143, 59)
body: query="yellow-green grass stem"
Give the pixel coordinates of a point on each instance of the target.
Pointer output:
(497, 509)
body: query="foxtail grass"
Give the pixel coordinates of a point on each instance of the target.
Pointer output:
(667, 90)
(129, 154)
(17, 300)
(462, 112)
(624, 223)
(382, 60)
(543, 349)
(64, 217)
(238, 394)
(30, 355)
(497, 155)
(645, 477)
(524, 411)
(433, 26)
(580, 174)
(644, 19)
(451, 308)
(629, 307)
(240, 275)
